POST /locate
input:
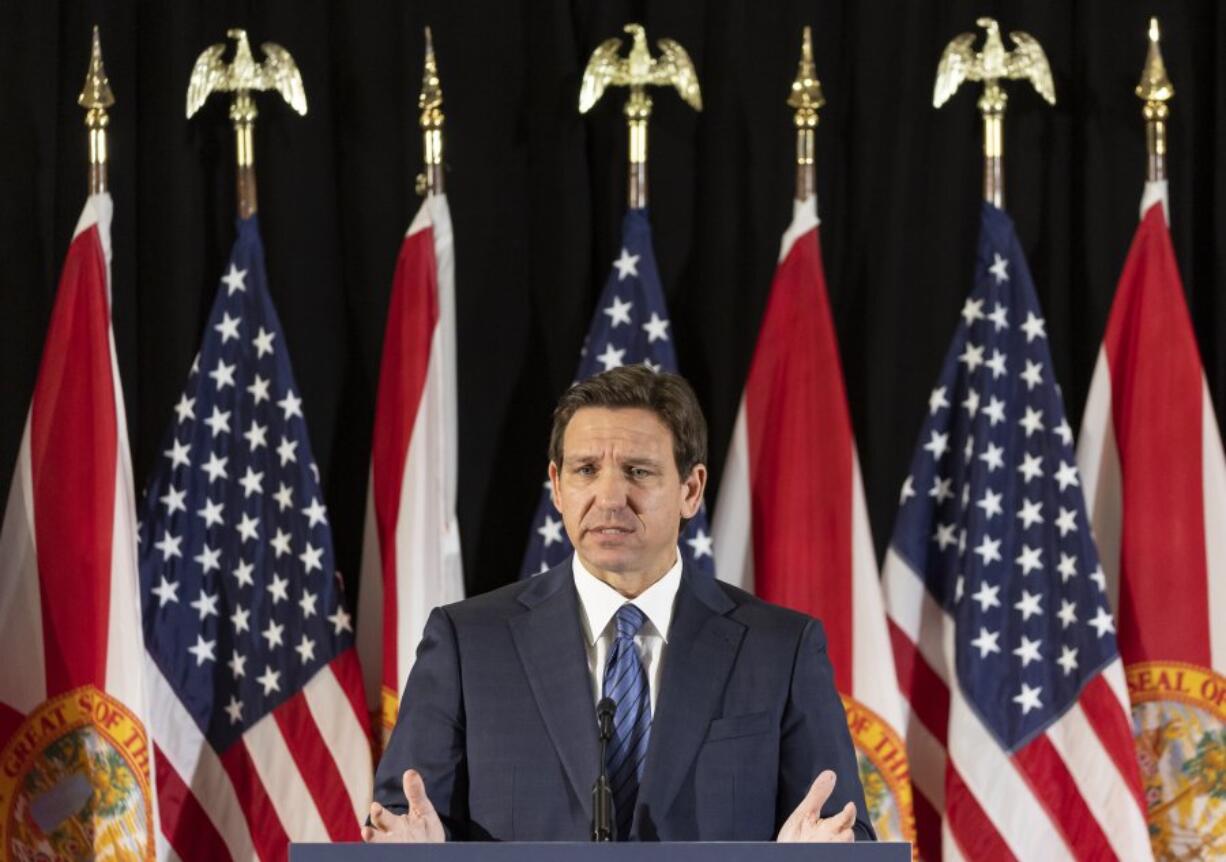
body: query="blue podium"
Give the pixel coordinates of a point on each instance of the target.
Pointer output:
(628, 852)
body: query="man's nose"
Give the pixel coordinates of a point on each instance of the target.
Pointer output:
(611, 490)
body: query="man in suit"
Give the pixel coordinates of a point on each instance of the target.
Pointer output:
(726, 724)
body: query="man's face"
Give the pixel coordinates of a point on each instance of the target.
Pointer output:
(619, 492)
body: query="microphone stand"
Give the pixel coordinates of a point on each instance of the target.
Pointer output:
(602, 794)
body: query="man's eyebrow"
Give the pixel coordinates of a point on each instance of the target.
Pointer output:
(579, 457)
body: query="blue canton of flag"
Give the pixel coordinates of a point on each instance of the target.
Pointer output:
(242, 604)
(630, 325)
(992, 514)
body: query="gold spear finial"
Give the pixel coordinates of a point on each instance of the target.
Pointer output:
(959, 63)
(1156, 89)
(430, 101)
(806, 98)
(243, 75)
(96, 97)
(638, 70)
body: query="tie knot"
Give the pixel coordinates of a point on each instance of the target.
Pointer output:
(629, 620)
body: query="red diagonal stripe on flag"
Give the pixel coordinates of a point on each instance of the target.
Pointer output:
(412, 315)
(267, 832)
(73, 456)
(318, 769)
(1102, 710)
(971, 827)
(927, 827)
(800, 455)
(927, 692)
(1156, 405)
(1056, 790)
(185, 824)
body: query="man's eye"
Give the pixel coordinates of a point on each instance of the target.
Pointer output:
(585, 470)
(639, 472)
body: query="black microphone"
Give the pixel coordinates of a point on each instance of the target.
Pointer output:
(602, 794)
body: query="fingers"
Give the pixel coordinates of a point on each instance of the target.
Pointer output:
(818, 793)
(844, 820)
(382, 819)
(415, 792)
(807, 815)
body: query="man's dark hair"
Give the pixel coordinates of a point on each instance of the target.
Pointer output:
(664, 394)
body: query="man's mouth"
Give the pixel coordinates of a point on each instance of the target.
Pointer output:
(609, 531)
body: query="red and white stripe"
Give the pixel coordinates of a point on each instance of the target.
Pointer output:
(791, 522)
(411, 549)
(1151, 457)
(1071, 793)
(69, 581)
(277, 784)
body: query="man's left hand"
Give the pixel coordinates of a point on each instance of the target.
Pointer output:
(806, 823)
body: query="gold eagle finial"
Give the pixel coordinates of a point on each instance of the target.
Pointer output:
(959, 63)
(639, 69)
(277, 72)
(242, 77)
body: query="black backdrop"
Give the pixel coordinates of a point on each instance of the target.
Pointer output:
(536, 195)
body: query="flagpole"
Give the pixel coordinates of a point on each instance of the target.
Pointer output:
(638, 113)
(991, 65)
(242, 76)
(243, 114)
(1156, 89)
(96, 97)
(806, 97)
(430, 101)
(638, 71)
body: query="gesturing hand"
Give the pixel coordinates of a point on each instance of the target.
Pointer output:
(806, 823)
(420, 826)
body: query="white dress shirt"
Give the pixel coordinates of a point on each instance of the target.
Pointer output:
(600, 603)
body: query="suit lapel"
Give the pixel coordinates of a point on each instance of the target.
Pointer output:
(702, 645)
(549, 640)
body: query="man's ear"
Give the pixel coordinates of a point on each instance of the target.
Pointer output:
(692, 488)
(555, 486)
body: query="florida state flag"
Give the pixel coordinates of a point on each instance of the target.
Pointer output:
(791, 522)
(411, 550)
(1155, 483)
(74, 751)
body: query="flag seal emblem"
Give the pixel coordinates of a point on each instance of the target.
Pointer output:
(1179, 725)
(389, 707)
(74, 782)
(881, 756)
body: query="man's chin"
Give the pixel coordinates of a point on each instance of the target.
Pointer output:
(612, 556)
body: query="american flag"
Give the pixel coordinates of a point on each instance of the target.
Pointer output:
(1018, 734)
(260, 730)
(630, 325)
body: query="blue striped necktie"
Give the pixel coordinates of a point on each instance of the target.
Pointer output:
(625, 681)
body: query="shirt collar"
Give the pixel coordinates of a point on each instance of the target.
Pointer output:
(600, 601)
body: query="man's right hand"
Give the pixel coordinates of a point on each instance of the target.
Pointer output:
(420, 826)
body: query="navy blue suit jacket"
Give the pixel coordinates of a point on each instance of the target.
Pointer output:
(498, 717)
